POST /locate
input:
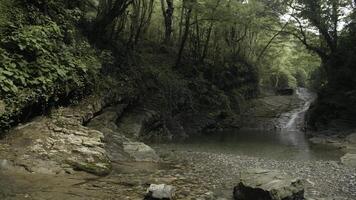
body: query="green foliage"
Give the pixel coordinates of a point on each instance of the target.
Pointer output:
(288, 64)
(4, 14)
(37, 57)
(43, 57)
(301, 77)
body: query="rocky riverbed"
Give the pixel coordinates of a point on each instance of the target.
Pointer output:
(196, 175)
(220, 172)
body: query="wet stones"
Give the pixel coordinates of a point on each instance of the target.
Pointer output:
(161, 191)
(260, 184)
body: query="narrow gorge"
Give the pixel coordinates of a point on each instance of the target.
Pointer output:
(177, 100)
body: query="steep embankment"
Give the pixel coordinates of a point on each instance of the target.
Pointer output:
(47, 61)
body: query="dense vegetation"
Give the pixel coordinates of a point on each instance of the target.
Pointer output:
(186, 57)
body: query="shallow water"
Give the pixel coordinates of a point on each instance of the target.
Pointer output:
(281, 145)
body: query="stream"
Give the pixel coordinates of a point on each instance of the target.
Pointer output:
(287, 142)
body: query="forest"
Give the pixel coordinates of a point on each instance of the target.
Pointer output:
(94, 86)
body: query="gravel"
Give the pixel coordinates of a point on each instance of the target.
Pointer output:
(220, 173)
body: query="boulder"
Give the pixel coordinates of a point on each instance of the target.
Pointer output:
(261, 184)
(161, 191)
(140, 152)
(58, 142)
(349, 159)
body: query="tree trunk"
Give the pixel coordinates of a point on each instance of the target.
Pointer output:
(168, 20)
(206, 45)
(185, 36)
(181, 24)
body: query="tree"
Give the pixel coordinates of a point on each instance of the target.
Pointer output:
(187, 10)
(317, 27)
(168, 19)
(140, 18)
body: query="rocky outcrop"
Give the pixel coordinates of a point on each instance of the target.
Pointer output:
(82, 137)
(59, 142)
(260, 184)
(113, 139)
(118, 146)
(264, 113)
(137, 122)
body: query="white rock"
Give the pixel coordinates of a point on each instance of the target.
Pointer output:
(161, 191)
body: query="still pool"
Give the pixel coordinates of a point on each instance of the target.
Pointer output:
(279, 145)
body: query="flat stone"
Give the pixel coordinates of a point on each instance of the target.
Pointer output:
(261, 184)
(349, 159)
(140, 151)
(160, 191)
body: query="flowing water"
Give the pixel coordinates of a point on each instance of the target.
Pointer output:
(294, 120)
(286, 143)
